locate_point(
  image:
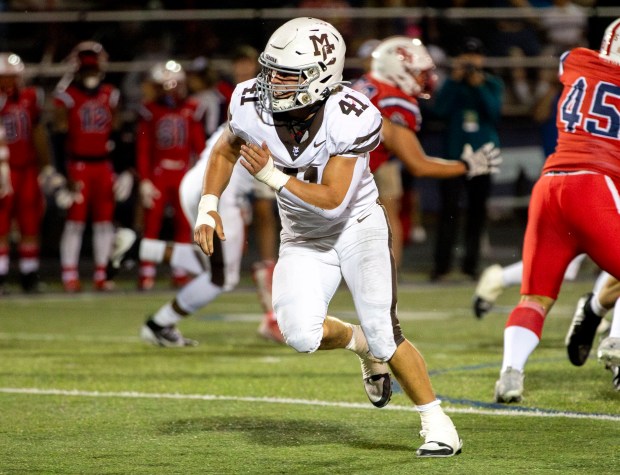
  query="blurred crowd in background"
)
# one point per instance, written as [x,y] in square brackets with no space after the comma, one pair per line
[522,47]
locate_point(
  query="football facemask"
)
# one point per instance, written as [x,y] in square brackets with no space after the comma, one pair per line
[301,64]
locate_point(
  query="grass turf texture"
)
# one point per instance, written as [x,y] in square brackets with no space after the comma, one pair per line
[118,420]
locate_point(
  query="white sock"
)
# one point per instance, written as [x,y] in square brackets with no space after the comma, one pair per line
[573,267]
[519,343]
[358,342]
[186,257]
[597,308]
[152,250]
[429,406]
[197,293]
[600,281]
[512,274]
[434,415]
[103,238]
[28,265]
[614,331]
[71,244]
[4,264]
[166,316]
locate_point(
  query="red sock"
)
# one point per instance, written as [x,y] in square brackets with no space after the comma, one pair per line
[528,315]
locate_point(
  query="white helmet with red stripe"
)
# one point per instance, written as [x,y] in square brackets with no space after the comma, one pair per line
[610,46]
[405,63]
[88,61]
[11,73]
[11,65]
[169,79]
[88,55]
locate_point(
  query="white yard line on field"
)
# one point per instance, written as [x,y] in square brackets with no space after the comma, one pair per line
[302,402]
[67,337]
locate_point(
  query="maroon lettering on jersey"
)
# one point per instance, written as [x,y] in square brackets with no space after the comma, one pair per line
[168,137]
[19,116]
[90,119]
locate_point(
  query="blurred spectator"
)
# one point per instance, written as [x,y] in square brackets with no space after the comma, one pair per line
[85,117]
[170,136]
[212,93]
[470,103]
[565,26]
[517,37]
[544,111]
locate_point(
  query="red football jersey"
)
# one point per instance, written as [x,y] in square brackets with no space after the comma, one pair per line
[90,119]
[19,116]
[169,137]
[588,115]
[394,104]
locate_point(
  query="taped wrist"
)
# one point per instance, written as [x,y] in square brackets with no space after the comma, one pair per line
[207,203]
[271,176]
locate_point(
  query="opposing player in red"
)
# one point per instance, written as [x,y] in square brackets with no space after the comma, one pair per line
[21,201]
[401,72]
[85,116]
[575,204]
[170,137]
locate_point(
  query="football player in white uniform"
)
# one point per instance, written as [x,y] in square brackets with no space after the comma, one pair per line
[212,276]
[307,136]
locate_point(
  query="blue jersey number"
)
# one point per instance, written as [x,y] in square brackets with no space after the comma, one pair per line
[603,117]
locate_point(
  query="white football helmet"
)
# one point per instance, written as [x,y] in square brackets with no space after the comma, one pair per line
[399,61]
[88,55]
[169,75]
[11,73]
[610,46]
[11,65]
[88,61]
[308,48]
[170,80]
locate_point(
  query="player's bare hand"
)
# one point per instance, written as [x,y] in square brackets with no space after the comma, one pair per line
[255,157]
[203,233]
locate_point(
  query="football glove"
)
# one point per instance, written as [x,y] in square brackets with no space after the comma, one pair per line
[148,193]
[484,161]
[122,186]
[65,197]
[6,188]
[50,180]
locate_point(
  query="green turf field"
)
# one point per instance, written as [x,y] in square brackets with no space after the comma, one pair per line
[81,394]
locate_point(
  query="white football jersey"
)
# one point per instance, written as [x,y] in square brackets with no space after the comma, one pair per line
[348,124]
[235,195]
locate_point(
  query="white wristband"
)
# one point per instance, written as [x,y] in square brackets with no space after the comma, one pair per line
[271,176]
[207,203]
